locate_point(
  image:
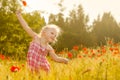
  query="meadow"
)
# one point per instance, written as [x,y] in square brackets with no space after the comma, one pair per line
[101,63]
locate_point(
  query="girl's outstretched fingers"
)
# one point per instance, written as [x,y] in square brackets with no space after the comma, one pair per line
[66,61]
[18,12]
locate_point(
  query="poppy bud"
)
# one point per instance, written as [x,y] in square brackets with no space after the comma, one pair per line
[24,3]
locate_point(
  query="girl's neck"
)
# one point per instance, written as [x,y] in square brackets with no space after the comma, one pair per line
[43,41]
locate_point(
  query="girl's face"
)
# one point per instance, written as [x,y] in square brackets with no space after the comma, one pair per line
[50,35]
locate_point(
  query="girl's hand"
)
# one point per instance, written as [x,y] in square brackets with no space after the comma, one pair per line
[66,60]
[18,12]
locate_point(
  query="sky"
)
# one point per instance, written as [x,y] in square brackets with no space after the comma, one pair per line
[92,8]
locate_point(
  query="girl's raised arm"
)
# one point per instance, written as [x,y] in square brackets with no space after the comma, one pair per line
[25,25]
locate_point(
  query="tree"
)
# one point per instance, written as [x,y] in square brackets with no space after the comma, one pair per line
[14,40]
[74,29]
[106,27]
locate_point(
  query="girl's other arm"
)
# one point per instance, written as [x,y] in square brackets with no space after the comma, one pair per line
[56,58]
[25,25]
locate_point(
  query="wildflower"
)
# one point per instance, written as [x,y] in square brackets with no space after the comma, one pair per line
[24,3]
[79,56]
[98,50]
[70,55]
[116,44]
[92,50]
[111,49]
[85,52]
[62,52]
[84,49]
[98,55]
[23,65]
[75,48]
[110,42]
[114,53]
[2,57]
[14,69]
[103,51]
[93,54]
[116,49]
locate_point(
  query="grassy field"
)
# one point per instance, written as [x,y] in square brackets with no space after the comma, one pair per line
[102,63]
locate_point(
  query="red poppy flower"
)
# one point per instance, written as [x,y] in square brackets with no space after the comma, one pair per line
[70,55]
[75,47]
[14,69]
[84,49]
[24,3]
[2,57]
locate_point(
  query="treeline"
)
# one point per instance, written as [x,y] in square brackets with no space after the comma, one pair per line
[75,31]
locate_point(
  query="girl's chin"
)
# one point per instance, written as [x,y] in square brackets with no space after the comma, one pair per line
[51,41]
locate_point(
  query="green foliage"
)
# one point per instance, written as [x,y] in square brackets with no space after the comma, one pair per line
[34,20]
[74,30]
[14,41]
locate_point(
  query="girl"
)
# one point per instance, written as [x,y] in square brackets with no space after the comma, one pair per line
[39,47]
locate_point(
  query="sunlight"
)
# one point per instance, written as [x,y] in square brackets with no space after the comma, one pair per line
[93,8]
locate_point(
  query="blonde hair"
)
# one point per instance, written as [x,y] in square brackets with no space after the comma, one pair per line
[51,26]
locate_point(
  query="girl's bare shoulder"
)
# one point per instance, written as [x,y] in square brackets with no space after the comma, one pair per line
[49,48]
[36,38]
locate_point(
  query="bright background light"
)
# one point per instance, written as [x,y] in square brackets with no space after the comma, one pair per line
[93,8]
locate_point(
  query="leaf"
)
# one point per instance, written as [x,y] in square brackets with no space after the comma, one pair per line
[2,38]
